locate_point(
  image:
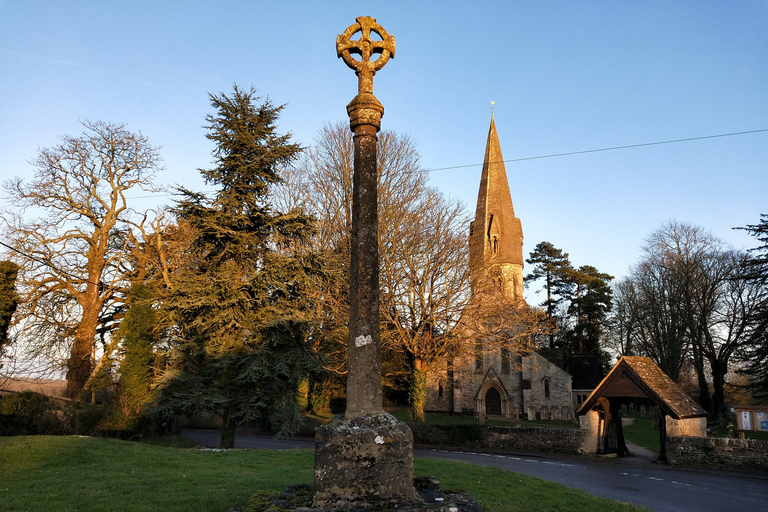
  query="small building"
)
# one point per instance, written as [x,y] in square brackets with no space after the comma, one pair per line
[637,380]
[485,377]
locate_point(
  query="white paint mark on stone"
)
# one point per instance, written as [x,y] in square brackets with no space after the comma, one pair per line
[379,439]
[362,341]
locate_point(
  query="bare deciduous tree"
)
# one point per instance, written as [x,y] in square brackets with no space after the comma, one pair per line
[425,286]
[689,304]
[422,247]
[72,253]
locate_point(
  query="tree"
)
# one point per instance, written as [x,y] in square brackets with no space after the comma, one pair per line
[660,328]
[71,281]
[693,306]
[237,311]
[753,354]
[9,299]
[425,285]
[622,325]
[590,303]
[422,251]
[552,265]
[136,336]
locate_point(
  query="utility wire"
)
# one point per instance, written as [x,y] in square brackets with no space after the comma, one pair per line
[613,148]
[29,256]
[539,157]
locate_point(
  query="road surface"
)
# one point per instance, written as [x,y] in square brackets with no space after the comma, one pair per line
[637,480]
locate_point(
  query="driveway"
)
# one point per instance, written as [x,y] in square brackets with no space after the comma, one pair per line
[638,480]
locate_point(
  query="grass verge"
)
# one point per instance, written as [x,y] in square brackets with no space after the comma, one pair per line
[94,474]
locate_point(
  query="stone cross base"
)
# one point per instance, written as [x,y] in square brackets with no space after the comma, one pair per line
[363,460]
[298,498]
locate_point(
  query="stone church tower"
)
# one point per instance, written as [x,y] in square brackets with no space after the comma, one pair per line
[496,235]
[485,378]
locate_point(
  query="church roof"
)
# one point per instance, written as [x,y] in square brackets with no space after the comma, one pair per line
[639,377]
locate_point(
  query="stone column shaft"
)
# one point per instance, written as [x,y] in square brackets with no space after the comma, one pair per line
[364,378]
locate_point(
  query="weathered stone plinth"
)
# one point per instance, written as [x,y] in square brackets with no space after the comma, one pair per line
[431,498]
[364,460]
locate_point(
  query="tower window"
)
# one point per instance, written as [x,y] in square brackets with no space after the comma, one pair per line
[495,245]
[546,388]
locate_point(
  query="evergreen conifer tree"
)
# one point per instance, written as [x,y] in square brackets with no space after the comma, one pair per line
[237,308]
[137,340]
[552,265]
[754,353]
[590,304]
[9,299]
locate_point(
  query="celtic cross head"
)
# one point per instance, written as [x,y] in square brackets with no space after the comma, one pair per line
[366,47]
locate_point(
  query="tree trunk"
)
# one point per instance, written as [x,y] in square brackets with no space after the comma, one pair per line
[228,428]
[719,370]
[79,365]
[418,390]
[698,362]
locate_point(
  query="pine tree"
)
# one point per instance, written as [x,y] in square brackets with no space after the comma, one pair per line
[590,304]
[553,265]
[237,308]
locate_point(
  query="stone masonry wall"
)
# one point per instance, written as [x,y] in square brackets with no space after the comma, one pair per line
[693,427]
[712,451]
[523,439]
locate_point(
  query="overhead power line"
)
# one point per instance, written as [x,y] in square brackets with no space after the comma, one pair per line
[29,256]
[552,155]
[613,148]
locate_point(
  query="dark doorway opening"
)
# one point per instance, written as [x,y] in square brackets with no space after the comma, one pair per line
[493,402]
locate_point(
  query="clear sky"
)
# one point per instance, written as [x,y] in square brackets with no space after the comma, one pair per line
[565,76]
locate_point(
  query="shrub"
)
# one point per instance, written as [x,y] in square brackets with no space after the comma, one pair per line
[29,413]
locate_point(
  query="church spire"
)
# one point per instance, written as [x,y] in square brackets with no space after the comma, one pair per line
[496,235]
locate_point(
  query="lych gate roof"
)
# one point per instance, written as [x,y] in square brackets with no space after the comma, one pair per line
[639,377]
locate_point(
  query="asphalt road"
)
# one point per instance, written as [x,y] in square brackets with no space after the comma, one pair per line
[637,480]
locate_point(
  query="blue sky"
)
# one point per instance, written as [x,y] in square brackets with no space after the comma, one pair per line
[565,77]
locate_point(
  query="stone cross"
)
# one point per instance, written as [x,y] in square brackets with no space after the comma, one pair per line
[366,47]
[365,112]
[364,460]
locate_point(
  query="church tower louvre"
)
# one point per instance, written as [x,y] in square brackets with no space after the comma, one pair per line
[496,235]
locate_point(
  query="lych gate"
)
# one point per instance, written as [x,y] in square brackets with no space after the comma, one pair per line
[637,380]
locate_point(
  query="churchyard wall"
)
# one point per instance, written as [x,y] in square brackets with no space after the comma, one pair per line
[727,452]
[516,439]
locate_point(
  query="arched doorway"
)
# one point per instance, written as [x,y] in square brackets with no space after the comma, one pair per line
[493,402]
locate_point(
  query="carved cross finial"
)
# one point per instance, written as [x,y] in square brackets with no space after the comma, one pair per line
[365,47]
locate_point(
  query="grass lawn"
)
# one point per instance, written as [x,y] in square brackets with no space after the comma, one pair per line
[642,433]
[51,474]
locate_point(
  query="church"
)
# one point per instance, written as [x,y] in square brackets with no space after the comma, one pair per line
[484,376]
